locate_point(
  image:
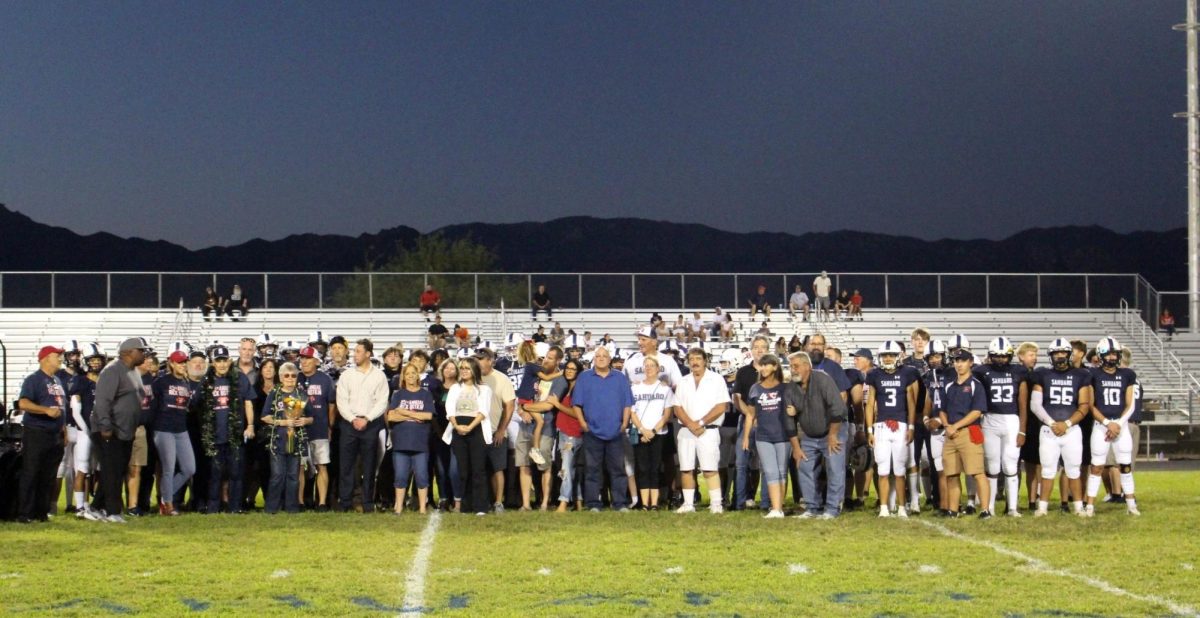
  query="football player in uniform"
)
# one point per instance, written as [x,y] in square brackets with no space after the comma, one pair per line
[67,374]
[267,347]
[1027,354]
[1061,399]
[1004,423]
[890,415]
[83,399]
[1114,390]
[938,376]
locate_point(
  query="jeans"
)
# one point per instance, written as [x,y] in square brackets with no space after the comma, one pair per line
[569,447]
[284,488]
[354,446]
[741,487]
[114,463]
[174,448]
[229,462]
[42,451]
[603,454]
[817,449]
[410,462]
[472,466]
[446,467]
[773,458]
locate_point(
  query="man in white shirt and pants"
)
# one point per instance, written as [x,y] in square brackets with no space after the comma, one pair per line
[703,399]
[362,398]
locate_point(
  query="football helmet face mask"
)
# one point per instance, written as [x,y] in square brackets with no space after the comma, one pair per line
[1060,354]
[1000,352]
[888,355]
[935,354]
[1109,351]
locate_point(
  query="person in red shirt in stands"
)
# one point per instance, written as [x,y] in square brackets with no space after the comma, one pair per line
[1166,322]
[431,301]
[855,306]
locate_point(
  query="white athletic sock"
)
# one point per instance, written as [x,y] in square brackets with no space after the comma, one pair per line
[714,497]
[689,497]
[1127,484]
[1043,505]
[80,501]
[1093,485]
[993,484]
[1012,489]
[914,487]
[1077,505]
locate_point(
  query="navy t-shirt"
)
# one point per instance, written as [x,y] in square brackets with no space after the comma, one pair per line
[223,406]
[321,392]
[1060,391]
[1109,390]
[85,388]
[1003,385]
[173,397]
[959,399]
[890,391]
[411,435]
[769,412]
[44,390]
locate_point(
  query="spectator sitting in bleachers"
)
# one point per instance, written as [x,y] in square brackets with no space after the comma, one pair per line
[856,301]
[212,304]
[431,302]
[842,305]
[237,302]
[1166,323]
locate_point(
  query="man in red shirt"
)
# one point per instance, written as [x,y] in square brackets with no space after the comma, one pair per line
[431,301]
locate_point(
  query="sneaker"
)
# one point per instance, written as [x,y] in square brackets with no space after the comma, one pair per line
[89,514]
[883,511]
[1013,513]
[774,515]
[1088,511]
[1083,512]
[806,515]
[1039,512]
[480,514]
[902,512]
[716,509]
[914,508]
[135,512]
[498,507]
[537,457]
[687,508]
[1132,509]
[594,510]
[970,510]
[985,515]
[1064,507]
[115,519]
[623,509]
[827,516]
[749,504]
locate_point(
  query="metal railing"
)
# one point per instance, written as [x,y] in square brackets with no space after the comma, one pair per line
[1152,345]
[478,290]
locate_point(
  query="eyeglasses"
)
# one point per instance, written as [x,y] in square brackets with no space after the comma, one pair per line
[288,375]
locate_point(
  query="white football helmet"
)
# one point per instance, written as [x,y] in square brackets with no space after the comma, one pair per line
[90,351]
[316,337]
[541,348]
[1001,346]
[266,339]
[1058,346]
[514,340]
[729,362]
[1106,346]
[890,348]
[958,342]
[70,346]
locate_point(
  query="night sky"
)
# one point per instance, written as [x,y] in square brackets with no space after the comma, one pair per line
[215,122]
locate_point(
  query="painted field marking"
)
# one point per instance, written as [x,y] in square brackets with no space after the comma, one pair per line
[929,569]
[798,569]
[1042,566]
[414,582]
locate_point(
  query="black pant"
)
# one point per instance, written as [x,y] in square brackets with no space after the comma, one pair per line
[114,464]
[354,446]
[472,466]
[646,459]
[41,454]
[227,464]
[602,454]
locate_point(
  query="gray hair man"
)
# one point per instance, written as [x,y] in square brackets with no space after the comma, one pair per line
[816,402]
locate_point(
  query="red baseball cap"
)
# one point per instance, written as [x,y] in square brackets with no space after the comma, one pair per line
[178,356]
[47,351]
[309,351]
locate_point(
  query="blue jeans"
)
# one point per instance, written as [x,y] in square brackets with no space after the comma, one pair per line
[174,448]
[817,451]
[449,482]
[773,458]
[601,455]
[741,462]
[410,462]
[284,488]
[228,462]
[569,447]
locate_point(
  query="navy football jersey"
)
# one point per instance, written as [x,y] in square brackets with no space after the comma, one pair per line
[86,389]
[1002,385]
[934,380]
[1137,402]
[1109,390]
[890,391]
[1060,391]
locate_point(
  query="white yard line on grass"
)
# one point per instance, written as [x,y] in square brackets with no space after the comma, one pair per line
[414,582]
[1044,567]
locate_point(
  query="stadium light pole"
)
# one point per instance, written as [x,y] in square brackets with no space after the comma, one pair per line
[1193,145]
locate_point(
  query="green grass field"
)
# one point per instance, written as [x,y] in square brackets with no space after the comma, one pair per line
[586,564]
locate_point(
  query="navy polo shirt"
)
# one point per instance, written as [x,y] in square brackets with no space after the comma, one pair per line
[958,400]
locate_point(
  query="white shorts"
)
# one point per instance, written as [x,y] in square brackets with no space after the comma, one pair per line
[1121,448]
[891,449]
[1068,446]
[318,451]
[83,452]
[705,449]
[937,442]
[1000,450]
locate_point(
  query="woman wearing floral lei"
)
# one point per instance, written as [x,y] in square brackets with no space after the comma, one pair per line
[287,411]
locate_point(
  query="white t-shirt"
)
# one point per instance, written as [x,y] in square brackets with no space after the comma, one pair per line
[697,324]
[822,285]
[668,369]
[799,299]
[696,400]
[650,401]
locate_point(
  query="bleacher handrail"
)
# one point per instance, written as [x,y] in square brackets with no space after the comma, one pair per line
[1151,343]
